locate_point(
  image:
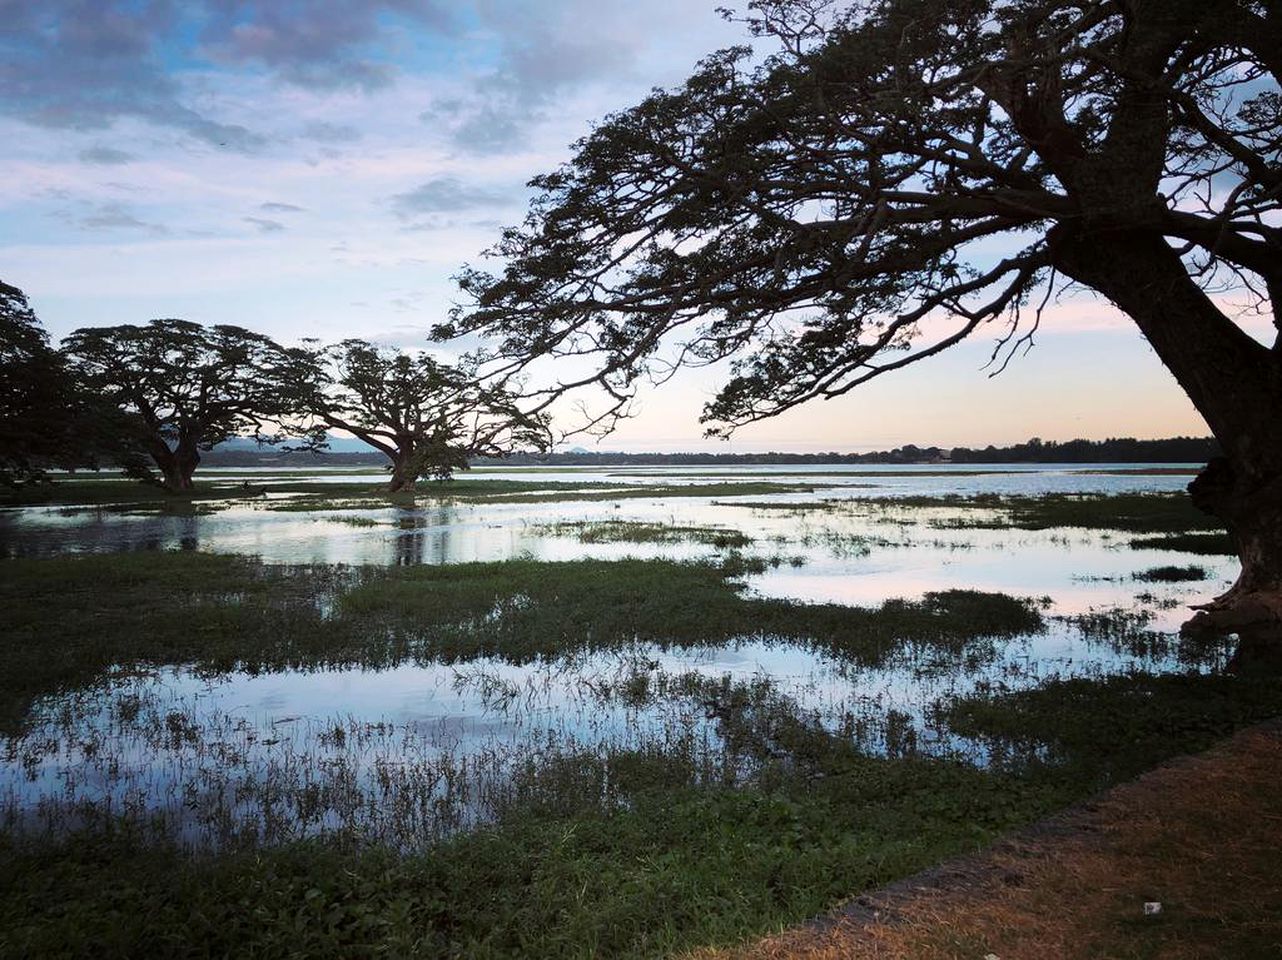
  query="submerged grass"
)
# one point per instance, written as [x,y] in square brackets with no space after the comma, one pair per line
[634,856]
[674,867]
[637,531]
[305,496]
[1164,513]
[1207,544]
[1172,574]
[66,620]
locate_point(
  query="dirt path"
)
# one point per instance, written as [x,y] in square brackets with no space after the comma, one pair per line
[1200,835]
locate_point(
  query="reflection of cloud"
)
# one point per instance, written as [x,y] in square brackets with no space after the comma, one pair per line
[106,156]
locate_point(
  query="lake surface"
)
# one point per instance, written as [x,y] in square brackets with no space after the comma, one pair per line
[416,751]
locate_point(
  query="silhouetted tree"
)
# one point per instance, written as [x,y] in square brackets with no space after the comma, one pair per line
[47,421]
[804,214]
[428,417]
[185,387]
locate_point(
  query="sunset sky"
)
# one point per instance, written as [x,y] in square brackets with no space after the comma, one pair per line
[322,168]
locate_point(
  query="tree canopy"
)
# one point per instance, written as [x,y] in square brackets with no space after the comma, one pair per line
[186,387]
[899,174]
[429,417]
[47,420]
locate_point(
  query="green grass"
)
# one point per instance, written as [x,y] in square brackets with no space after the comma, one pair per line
[1172,574]
[321,495]
[1207,544]
[632,854]
[1102,731]
[65,620]
[637,531]
[676,867]
[663,865]
[1152,513]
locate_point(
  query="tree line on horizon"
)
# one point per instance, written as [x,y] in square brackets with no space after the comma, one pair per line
[1197,450]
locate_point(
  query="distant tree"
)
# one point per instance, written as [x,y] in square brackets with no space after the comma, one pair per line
[46,420]
[805,214]
[428,417]
[184,387]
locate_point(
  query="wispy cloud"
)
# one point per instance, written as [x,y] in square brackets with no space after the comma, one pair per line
[106,156]
[444,195]
[116,216]
[264,225]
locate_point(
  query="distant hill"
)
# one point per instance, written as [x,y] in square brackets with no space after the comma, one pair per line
[1116,450]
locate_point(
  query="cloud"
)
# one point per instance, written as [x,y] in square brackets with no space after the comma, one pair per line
[106,156]
[264,225]
[324,132]
[322,44]
[279,208]
[116,216]
[443,195]
[83,64]
[544,51]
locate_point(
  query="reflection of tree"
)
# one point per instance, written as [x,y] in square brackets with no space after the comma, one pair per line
[423,536]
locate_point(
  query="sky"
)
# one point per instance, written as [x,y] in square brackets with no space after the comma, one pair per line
[321,168]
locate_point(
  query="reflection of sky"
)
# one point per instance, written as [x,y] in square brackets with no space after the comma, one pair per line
[1067,565]
[277,720]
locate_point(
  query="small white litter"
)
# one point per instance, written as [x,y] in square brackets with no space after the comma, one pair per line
[1152,908]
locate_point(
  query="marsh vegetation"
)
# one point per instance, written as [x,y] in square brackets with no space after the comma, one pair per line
[527,715]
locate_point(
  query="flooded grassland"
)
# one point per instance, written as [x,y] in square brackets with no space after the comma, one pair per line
[571,713]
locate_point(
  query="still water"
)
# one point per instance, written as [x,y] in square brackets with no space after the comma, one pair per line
[411,753]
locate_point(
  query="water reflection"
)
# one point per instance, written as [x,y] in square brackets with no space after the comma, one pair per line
[429,748]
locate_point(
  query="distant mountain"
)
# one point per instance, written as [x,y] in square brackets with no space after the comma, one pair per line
[336,445]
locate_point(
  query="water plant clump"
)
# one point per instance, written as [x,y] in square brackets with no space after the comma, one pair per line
[1208,544]
[636,531]
[1172,574]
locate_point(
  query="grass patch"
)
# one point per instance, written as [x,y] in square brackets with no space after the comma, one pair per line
[1164,513]
[1172,574]
[1138,512]
[673,868]
[1207,544]
[1102,731]
[323,495]
[636,531]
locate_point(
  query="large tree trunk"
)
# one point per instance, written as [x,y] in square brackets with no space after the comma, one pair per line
[177,466]
[404,474]
[1234,382]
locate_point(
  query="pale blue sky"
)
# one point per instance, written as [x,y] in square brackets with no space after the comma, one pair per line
[321,168]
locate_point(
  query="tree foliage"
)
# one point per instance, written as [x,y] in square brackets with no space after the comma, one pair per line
[902,173]
[184,387]
[429,417]
[46,420]
[806,214]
